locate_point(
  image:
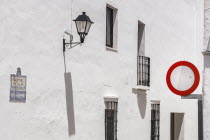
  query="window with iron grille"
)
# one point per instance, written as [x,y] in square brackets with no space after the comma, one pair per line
[155,121]
[143,71]
[111,120]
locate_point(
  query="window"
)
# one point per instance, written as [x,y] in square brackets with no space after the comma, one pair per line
[177,126]
[143,62]
[111,120]
[143,71]
[155,121]
[111,27]
[141,39]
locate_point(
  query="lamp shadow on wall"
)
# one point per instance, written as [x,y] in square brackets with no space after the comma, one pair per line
[141,101]
[69,103]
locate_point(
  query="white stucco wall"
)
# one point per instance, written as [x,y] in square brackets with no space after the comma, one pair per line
[206,84]
[31,38]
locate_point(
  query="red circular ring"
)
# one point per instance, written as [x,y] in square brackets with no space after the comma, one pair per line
[196,81]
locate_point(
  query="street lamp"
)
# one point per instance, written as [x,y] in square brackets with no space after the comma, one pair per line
[83,24]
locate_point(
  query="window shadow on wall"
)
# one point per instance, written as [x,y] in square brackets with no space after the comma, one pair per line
[142,101]
[69,103]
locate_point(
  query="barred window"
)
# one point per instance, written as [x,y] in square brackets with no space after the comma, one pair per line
[155,122]
[143,71]
[111,120]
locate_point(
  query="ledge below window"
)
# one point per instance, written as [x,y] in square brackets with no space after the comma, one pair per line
[111,49]
[207,52]
[140,87]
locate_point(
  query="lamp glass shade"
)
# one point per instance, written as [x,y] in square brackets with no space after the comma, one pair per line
[83,24]
[87,27]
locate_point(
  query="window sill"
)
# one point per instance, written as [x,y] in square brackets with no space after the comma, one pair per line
[206,52]
[142,88]
[113,98]
[111,49]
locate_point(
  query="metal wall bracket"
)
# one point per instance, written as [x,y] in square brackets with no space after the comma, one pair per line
[70,44]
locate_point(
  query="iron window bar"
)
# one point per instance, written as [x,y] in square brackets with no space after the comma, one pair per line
[111,120]
[143,71]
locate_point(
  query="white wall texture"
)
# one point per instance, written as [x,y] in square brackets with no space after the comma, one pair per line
[206,85]
[31,34]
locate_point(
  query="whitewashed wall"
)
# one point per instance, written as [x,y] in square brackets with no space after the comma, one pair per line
[31,38]
[206,84]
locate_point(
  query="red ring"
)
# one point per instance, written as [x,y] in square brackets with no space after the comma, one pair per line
[196,81]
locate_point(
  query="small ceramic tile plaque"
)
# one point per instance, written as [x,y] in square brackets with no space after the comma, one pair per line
[17,87]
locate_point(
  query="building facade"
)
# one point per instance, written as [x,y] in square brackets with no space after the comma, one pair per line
[114,86]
